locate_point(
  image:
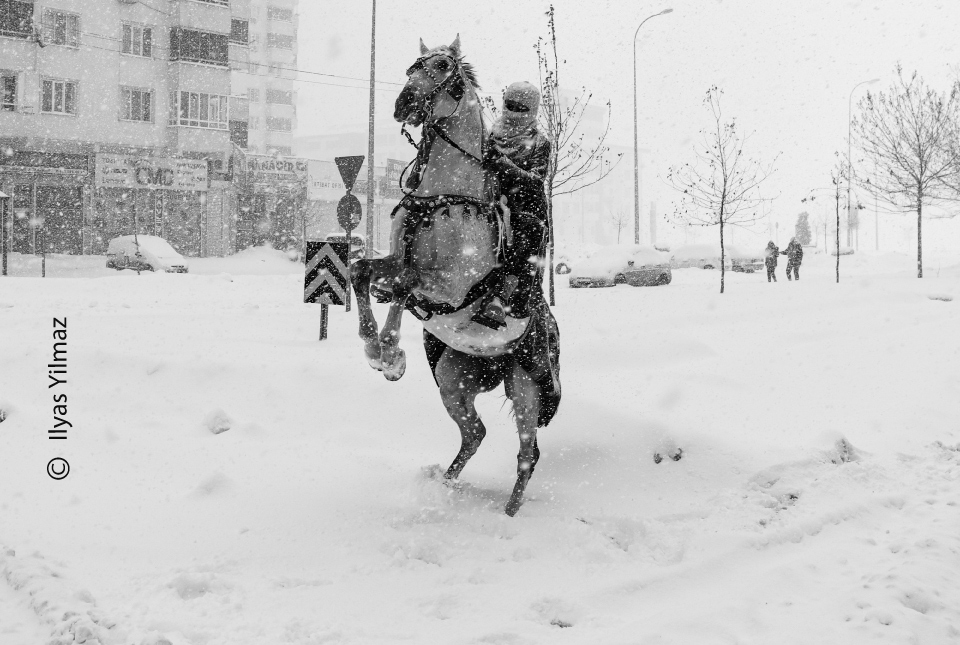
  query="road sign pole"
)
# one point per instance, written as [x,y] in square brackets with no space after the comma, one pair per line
[349,249]
[4,198]
[324,320]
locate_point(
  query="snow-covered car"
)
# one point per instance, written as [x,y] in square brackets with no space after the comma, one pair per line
[745,261]
[144,253]
[357,246]
[565,258]
[697,256]
[632,264]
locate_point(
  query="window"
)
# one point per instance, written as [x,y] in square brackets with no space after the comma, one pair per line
[280,97]
[136,104]
[239,32]
[238,133]
[199,110]
[279,15]
[278,124]
[254,95]
[61,28]
[58,97]
[16,18]
[279,41]
[8,93]
[137,40]
[198,47]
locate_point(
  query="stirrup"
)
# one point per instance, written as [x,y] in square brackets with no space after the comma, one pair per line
[491,314]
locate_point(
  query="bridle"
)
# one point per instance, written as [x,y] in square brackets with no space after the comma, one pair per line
[453,85]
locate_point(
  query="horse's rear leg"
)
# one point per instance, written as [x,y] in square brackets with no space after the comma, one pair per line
[525,394]
[459,389]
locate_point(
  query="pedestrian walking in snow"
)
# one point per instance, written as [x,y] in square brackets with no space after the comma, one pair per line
[771,261]
[794,255]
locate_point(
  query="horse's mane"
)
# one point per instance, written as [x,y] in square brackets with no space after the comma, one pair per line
[470,72]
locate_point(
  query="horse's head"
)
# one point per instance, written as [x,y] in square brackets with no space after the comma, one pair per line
[437,72]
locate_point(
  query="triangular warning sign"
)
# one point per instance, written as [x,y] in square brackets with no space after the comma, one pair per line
[349,168]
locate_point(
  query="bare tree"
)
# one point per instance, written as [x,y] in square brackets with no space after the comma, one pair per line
[721,187]
[910,132]
[575,162]
[838,176]
[620,219]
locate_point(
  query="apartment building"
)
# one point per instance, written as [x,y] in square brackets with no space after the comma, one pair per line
[122,115]
[271,183]
[264,50]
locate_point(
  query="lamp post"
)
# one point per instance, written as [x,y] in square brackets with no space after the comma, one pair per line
[849,150]
[636,147]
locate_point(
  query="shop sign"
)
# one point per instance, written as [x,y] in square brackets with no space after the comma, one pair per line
[264,169]
[158,173]
[325,184]
[390,185]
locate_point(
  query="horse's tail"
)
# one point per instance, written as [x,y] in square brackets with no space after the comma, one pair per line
[549,383]
[539,355]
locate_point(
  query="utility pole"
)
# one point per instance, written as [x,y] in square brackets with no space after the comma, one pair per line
[373,71]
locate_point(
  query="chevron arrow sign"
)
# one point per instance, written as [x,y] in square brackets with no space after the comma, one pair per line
[326,277]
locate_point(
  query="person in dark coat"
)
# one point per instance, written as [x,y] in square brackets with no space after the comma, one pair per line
[771,261]
[794,255]
[520,155]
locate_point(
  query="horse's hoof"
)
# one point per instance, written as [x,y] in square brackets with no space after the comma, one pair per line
[372,353]
[393,370]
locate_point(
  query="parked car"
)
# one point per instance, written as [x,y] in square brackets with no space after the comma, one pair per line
[631,264]
[565,258]
[144,253]
[844,250]
[697,256]
[745,262]
[357,245]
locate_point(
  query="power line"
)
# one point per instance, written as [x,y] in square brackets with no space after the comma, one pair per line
[241,62]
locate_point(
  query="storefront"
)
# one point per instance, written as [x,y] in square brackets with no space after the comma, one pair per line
[49,196]
[271,202]
[161,196]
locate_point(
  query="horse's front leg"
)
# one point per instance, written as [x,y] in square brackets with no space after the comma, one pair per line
[360,274]
[525,394]
[393,360]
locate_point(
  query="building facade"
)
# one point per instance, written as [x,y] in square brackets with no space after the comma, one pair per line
[123,115]
[264,53]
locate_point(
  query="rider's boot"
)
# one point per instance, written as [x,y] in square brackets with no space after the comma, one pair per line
[493,310]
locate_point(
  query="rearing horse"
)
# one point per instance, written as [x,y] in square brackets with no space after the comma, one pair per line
[446,245]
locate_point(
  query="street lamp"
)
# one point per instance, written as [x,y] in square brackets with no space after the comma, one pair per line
[636,148]
[849,158]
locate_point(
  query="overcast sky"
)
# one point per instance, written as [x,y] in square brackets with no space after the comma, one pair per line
[786,68]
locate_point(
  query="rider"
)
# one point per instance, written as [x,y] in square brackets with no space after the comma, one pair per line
[520,155]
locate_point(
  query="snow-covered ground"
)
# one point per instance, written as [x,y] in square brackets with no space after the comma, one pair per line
[815,501]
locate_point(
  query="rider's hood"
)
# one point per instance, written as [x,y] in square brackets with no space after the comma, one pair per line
[525,94]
